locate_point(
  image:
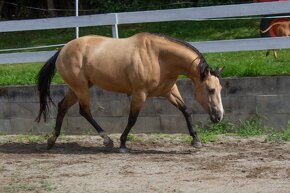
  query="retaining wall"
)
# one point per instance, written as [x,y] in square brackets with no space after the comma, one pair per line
[242,98]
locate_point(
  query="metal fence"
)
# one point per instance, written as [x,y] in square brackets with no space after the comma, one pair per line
[115,19]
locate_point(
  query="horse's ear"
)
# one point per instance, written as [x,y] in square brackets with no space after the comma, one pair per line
[220,69]
[216,72]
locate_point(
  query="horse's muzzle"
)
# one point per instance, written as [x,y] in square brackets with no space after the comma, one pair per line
[215,116]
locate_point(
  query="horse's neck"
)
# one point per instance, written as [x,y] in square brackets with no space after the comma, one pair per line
[180,60]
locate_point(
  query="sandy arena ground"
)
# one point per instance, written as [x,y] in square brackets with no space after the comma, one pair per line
[82,164]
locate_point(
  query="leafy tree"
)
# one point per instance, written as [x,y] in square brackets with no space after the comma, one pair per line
[25,9]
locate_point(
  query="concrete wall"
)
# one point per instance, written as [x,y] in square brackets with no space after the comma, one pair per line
[242,98]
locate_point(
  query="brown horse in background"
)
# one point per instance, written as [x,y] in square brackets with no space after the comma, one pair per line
[143,66]
[279,29]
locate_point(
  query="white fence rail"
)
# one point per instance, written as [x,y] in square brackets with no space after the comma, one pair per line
[114,19]
[206,46]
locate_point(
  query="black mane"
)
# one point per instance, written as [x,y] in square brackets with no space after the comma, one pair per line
[203,65]
[183,43]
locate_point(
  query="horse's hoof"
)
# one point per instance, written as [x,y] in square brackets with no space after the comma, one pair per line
[50,143]
[123,150]
[196,144]
[108,143]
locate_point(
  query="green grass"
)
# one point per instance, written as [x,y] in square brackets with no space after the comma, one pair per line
[210,132]
[197,30]
[44,186]
[131,137]
[185,30]
[21,74]
[30,138]
[9,40]
[18,187]
[2,168]
[207,132]
[253,126]
[283,135]
[251,63]
[47,186]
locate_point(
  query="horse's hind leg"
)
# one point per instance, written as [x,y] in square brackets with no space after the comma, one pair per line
[63,106]
[267,53]
[175,98]
[83,97]
[275,54]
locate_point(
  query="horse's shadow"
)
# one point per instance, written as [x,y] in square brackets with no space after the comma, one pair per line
[74,148]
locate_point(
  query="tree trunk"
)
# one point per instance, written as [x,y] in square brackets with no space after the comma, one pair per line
[1,7]
[51,8]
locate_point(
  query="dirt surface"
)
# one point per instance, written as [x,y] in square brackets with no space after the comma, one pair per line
[163,164]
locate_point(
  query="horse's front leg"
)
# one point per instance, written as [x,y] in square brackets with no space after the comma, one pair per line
[195,140]
[175,98]
[137,102]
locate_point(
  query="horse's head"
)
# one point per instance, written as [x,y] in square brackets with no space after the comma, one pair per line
[208,92]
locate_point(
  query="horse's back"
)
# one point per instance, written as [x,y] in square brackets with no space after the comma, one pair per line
[109,63]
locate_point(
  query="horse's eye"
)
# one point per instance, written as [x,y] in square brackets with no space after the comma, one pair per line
[211,91]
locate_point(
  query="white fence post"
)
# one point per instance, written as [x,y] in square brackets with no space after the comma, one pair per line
[115,31]
[77,14]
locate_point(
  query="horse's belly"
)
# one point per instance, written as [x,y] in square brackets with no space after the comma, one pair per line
[112,84]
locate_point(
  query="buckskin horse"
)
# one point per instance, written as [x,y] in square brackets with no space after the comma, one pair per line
[142,66]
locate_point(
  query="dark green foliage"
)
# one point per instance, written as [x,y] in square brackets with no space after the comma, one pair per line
[20,9]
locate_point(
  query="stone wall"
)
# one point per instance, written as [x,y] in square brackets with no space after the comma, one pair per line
[242,98]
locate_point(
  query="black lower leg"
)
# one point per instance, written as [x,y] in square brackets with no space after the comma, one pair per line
[87,115]
[131,121]
[191,129]
[90,119]
[59,119]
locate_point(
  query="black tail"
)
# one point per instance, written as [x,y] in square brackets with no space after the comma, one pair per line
[44,79]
